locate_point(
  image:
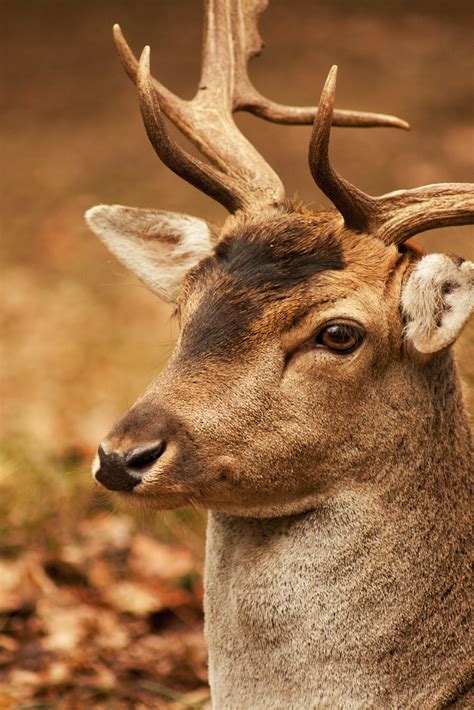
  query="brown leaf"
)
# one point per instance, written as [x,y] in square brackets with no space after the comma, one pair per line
[20,678]
[150,558]
[106,531]
[57,673]
[134,598]
[65,626]
[111,631]
[8,643]
[16,590]
[8,700]
[99,574]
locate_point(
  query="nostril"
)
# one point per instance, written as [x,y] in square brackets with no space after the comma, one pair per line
[102,453]
[144,456]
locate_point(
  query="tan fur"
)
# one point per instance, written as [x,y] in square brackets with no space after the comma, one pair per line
[337,564]
[337,484]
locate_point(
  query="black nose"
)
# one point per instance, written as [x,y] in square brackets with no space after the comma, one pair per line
[122,472]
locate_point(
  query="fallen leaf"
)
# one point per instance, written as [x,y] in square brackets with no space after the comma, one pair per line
[8,700]
[106,531]
[150,558]
[134,598]
[64,627]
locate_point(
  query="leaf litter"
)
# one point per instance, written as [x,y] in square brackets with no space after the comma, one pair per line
[111,618]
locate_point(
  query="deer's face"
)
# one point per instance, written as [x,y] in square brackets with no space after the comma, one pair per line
[289,354]
[292,370]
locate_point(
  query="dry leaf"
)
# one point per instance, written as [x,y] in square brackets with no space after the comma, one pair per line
[65,627]
[106,531]
[8,700]
[134,598]
[150,558]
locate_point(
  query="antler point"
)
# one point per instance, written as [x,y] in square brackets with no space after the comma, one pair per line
[330,85]
[117,33]
[145,56]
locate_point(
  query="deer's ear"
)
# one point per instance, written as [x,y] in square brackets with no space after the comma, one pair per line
[159,247]
[437,300]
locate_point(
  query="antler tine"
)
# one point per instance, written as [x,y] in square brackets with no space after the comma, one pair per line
[231,38]
[404,213]
[202,176]
[305,115]
[181,112]
[252,101]
[130,63]
[396,216]
[207,120]
[356,207]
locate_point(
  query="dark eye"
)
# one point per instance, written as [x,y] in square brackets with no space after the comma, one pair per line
[340,337]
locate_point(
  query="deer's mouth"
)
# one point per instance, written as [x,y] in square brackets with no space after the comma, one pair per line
[159,476]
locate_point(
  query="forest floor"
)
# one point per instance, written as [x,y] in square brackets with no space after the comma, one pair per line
[105,617]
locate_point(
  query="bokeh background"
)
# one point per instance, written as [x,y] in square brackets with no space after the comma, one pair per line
[100,606]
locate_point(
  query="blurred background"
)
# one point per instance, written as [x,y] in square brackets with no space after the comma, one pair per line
[100,606]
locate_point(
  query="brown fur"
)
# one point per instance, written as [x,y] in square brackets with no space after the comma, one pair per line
[337,551]
[337,484]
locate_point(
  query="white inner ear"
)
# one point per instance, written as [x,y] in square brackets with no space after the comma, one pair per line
[437,301]
[159,247]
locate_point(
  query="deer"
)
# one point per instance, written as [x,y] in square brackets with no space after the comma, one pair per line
[312,404]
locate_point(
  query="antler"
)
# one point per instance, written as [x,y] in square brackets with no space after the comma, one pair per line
[396,216]
[239,177]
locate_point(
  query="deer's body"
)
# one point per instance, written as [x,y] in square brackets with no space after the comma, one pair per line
[311,405]
[361,602]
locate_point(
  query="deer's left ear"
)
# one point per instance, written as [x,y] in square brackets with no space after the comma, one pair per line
[159,247]
[437,300]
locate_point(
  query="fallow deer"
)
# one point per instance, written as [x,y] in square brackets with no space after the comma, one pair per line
[312,405]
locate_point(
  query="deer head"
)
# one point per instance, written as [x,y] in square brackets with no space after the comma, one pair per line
[305,337]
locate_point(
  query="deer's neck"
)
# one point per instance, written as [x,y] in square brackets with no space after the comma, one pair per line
[360,602]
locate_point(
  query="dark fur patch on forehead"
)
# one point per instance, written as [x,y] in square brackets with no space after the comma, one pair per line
[278,255]
[255,265]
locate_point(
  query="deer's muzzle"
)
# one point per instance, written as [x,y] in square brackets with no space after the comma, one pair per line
[123,471]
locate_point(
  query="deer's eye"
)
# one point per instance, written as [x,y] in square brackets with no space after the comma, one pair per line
[340,337]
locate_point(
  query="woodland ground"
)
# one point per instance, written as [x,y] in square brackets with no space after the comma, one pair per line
[101,607]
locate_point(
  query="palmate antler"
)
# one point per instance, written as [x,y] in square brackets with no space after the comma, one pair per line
[396,216]
[238,176]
